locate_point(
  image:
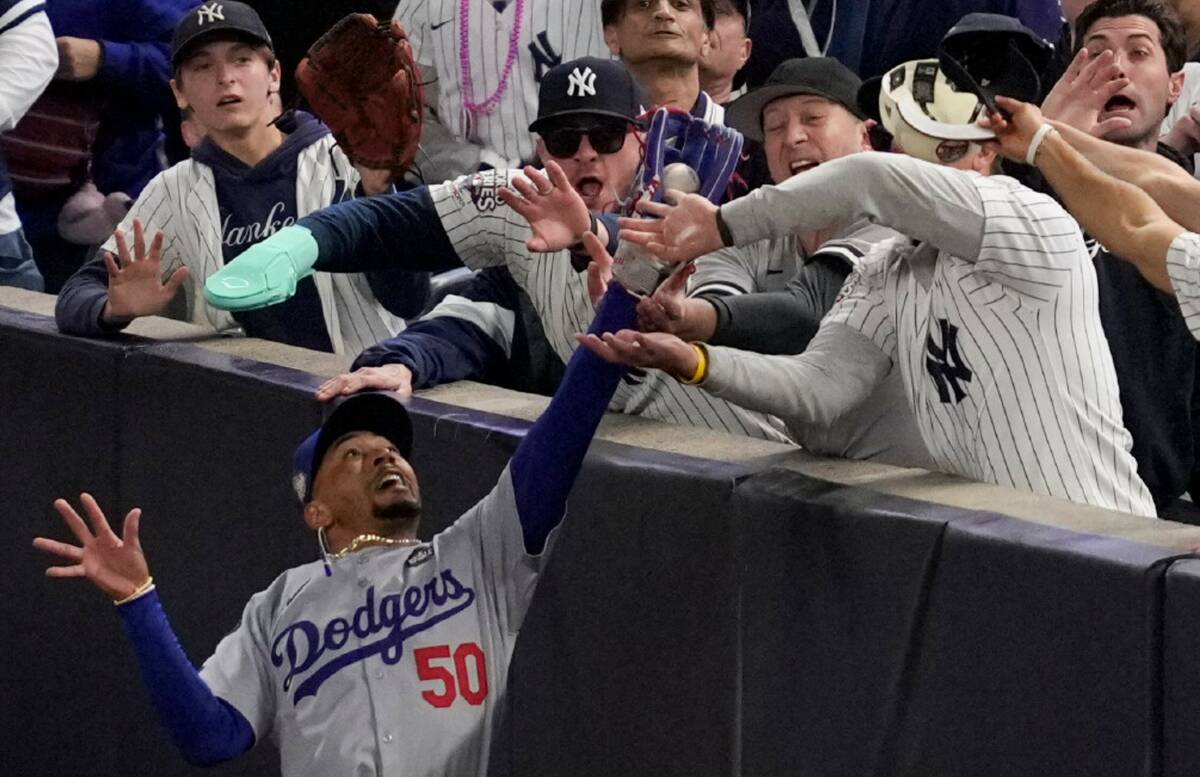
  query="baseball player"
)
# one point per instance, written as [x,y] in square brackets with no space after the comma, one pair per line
[390,655]
[467,220]
[991,315]
[485,62]
[247,179]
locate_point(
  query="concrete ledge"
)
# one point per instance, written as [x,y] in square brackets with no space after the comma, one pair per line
[914,484]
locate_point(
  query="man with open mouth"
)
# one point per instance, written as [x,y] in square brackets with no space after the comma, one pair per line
[1126,75]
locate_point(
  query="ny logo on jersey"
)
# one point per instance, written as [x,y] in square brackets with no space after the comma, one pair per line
[544,56]
[945,364]
[213,12]
[581,84]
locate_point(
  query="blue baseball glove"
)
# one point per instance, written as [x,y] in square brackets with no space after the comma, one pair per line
[674,140]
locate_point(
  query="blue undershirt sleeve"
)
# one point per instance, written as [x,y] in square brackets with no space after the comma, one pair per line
[396,231]
[548,460]
[207,730]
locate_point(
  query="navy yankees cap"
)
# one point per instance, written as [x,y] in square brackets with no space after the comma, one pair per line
[217,16]
[379,412]
[991,54]
[820,76]
[588,85]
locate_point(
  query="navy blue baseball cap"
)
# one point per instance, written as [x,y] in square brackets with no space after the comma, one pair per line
[588,85]
[992,54]
[228,17]
[379,412]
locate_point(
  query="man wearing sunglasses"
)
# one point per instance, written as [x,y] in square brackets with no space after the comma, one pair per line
[588,129]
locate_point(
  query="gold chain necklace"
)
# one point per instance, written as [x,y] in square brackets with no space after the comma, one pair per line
[373,539]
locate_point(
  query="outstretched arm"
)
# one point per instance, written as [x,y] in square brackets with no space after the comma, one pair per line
[924,201]
[206,729]
[548,460]
[1118,214]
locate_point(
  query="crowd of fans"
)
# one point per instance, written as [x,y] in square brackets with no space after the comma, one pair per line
[185,138]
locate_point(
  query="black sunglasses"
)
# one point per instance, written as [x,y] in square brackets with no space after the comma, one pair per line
[604,138]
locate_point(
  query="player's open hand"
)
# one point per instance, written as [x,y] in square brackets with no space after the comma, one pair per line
[389,377]
[135,284]
[554,210]
[648,350]
[678,233]
[1081,95]
[114,564]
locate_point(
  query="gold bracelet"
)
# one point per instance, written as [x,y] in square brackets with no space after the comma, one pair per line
[701,365]
[142,590]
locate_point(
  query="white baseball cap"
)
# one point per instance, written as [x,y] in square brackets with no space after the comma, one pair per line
[930,117]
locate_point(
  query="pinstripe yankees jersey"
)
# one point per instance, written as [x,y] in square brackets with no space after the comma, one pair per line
[1183,266]
[485,232]
[549,33]
[993,319]
[181,202]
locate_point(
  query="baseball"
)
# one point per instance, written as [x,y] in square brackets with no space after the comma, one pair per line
[678,175]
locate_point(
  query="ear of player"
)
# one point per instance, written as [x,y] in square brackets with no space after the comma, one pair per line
[686,154]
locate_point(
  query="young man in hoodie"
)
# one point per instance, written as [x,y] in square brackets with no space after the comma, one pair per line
[252,175]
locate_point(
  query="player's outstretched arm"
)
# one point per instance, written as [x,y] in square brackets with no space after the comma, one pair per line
[1118,214]
[204,728]
[547,461]
[394,231]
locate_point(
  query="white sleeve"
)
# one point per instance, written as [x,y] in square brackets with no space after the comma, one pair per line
[414,16]
[28,60]
[492,529]
[157,209]
[924,201]
[480,226]
[1183,266]
[240,669]
[838,371]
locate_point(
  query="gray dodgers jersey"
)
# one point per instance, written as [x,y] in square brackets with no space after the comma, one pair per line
[396,664]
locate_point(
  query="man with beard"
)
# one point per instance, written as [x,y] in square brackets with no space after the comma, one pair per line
[1125,77]
[389,655]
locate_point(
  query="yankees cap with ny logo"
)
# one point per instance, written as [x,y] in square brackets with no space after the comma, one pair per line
[228,17]
[588,85]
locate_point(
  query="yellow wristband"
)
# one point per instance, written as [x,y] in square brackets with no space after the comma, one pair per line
[142,590]
[701,365]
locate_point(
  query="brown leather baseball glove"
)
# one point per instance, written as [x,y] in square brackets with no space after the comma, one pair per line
[361,79]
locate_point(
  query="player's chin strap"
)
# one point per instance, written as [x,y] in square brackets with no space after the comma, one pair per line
[324,551]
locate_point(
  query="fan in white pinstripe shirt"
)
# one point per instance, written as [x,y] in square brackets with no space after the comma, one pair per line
[485,61]
[992,317]
[245,182]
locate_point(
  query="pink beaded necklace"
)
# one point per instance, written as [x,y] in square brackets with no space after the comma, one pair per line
[464,59]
